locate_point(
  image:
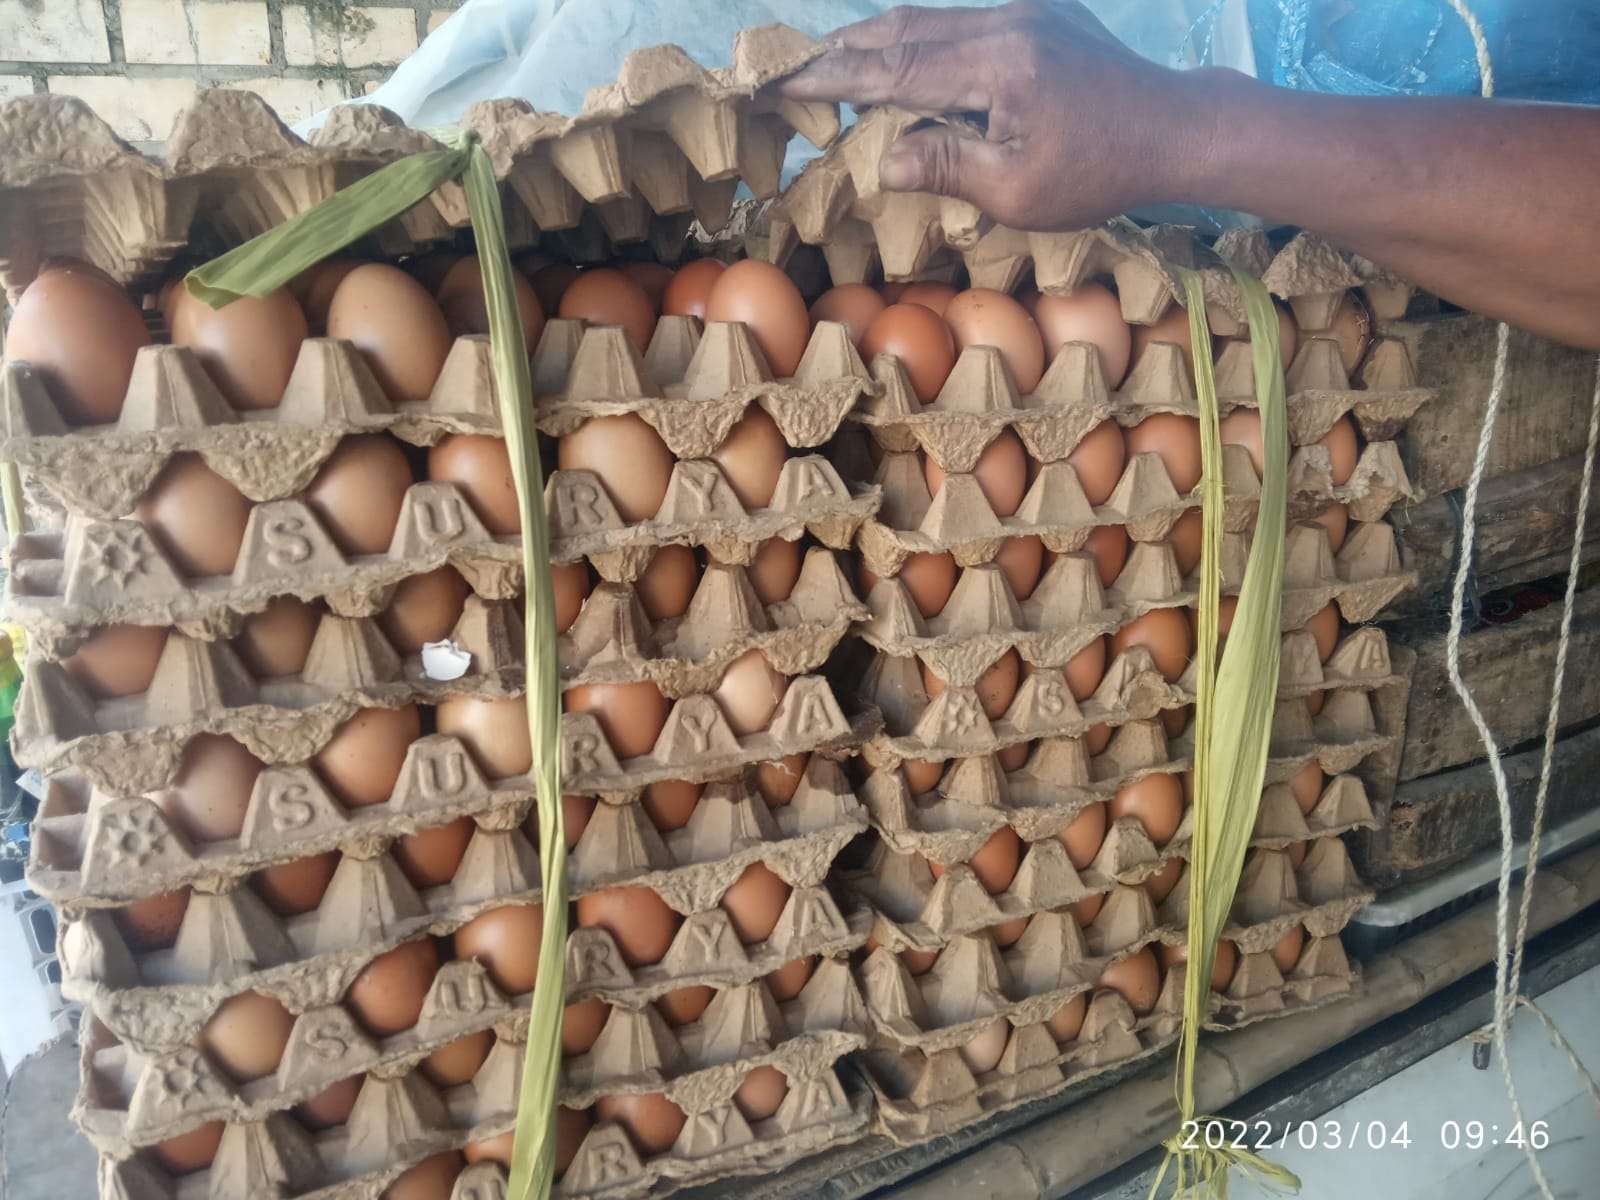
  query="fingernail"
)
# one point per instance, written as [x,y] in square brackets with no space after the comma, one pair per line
[897,171]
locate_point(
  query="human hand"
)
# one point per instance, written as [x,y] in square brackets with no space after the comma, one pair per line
[1079,127]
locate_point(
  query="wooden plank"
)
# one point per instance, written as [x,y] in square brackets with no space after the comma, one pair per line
[1524,531]
[1544,414]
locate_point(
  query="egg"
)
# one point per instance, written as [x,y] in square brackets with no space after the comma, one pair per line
[1288,334]
[920,339]
[762,1092]
[1176,439]
[1084,834]
[985,317]
[246,1036]
[667,585]
[1287,951]
[995,687]
[361,762]
[576,812]
[493,729]
[1160,885]
[550,283]
[431,1179]
[1336,520]
[1297,852]
[651,276]
[506,941]
[640,922]
[1001,472]
[921,776]
[853,305]
[117,660]
[424,608]
[1096,738]
[81,333]
[1306,784]
[480,466]
[751,458]
[749,693]
[928,577]
[466,309]
[1188,531]
[790,979]
[681,1006]
[398,328]
[211,791]
[1109,545]
[1223,963]
[191,1151]
[933,296]
[1162,631]
[314,288]
[605,296]
[1086,910]
[1343,448]
[651,1120]
[690,289]
[984,1052]
[296,886]
[152,923]
[569,586]
[248,347]
[332,1105]
[631,461]
[1098,459]
[1067,1021]
[767,301]
[572,1126]
[1020,560]
[276,641]
[430,270]
[429,857]
[1176,720]
[1086,669]
[1242,427]
[1090,313]
[1137,979]
[581,1024]
[631,715]
[1155,801]
[1172,328]
[669,803]
[196,516]
[775,569]
[387,995]
[1324,627]
[754,902]
[1013,757]
[996,861]
[358,491]
[1351,327]
[1314,703]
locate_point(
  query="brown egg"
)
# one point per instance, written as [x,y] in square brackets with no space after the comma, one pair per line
[569,585]
[581,1024]
[684,1005]
[750,692]
[1173,327]
[1176,439]
[928,577]
[1137,978]
[1336,520]
[430,270]
[995,864]
[922,776]
[396,325]
[985,317]
[424,608]
[765,299]
[431,1179]
[246,1035]
[1086,910]
[651,276]
[604,296]
[1155,801]
[1223,964]
[1098,460]
[572,1126]
[690,288]
[1314,703]
[631,715]
[1176,720]
[1008,932]
[1067,1021]
[1097,737]
[332,1105]
[361,762]
[631,461]
[81,333]
[248,347]
[153,922]
[1187,533]
[1086,669]
[506,941]
[358,492]
[1090,313]
[667,585]
[1020,560]
[576,812]
[670,803]
[920,339]
[853,305]
[1165,633]
[430,857]
[277,640]
[1242,427]
[550,283]
[481,467]
[296,886]
[752,457]
[1306,784]
[652,1121]
[1297,852]
[1001,472]
[984,1052]
[1160,884]
[208,797]
[1343,448]
[790,979]
[1288,334]
[996,686]
[1084,835]
[1351,327]
[1287,952]
[466,310]
[196,516]
[1324,627]
[494,730]
[762,1092]
[192,1151]
[754,902]
[1012,758]
[933,296]
[117,660]
[314,288]
[387,995]
[775,569]
[1109,545]
[638,919]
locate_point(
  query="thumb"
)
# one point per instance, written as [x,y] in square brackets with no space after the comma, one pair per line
[942,161]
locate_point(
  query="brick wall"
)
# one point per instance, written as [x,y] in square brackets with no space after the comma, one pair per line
[137,62]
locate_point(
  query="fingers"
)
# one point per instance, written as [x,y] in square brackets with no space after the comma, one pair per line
[910,23]
[925,76]
[941,161]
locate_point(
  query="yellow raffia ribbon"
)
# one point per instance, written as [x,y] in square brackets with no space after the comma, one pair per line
[1234,704]
[272,260]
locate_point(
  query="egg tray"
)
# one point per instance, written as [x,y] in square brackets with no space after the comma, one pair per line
[1322,975]
[202,687]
